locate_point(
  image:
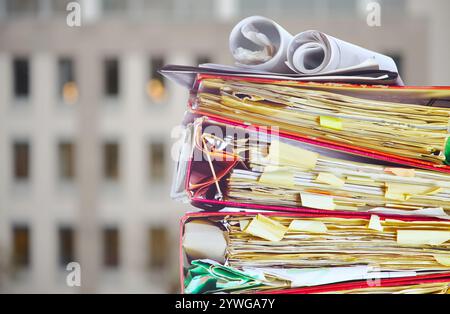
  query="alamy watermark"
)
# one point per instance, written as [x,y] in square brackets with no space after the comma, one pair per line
[373,10]
[73,278]
[73,18]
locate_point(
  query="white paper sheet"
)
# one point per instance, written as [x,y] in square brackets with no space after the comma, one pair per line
[301,277]
[313,52]
[260,44]
[430,212]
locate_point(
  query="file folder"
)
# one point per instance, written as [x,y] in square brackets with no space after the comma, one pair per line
[401,124]
[308,253]
[224,164]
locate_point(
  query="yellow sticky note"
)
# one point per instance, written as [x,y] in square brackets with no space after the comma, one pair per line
[280,178]
[317,201]
[266,228]
[401,172]
[402,192]
[422,237]
[329,178]
[442,259]
[375,223]
[289,155]
[330,122]
[308,226]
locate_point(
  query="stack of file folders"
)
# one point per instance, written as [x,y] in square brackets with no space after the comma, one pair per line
[312,186]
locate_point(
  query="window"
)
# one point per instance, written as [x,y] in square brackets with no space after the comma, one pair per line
[22,7]
[66,236]
[158,247]
[111,156]
[254,7]
[68,89]
[159,9]
[398,59]
[343,7]
[66,160]
[198,9]
[157,161]
[111,77]
[111,247]
[60,6]
[114,6]
[21,77]
[21,246]
[203,59]
[21,160]
[156,85]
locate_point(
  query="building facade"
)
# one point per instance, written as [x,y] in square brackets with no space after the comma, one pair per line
[87,124]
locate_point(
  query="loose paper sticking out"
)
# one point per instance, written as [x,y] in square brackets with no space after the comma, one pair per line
[330,122]
[243,224]
[282,153]
[401,172]
[317,201]
[194,244]
[329,178]
[437,212]
[308,226]
[356,179]
[375,223]
[266,228]
[281,178]
[422,237]
[402,192]
[442,259]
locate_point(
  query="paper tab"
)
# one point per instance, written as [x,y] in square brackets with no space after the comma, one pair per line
[279,178]
[266,228]
[401,172]
[289,155]
[308,226]
[431,212]
[442,259]
[330,122]
[402,192]
[422,237]
[356,179]
[317,201]
[375,223]
[243,224]
[329,178]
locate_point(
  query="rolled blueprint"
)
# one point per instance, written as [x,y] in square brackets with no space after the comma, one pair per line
[313,52]
[260,44]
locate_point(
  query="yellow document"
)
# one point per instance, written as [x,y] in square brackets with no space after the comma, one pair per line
[282,153]
[308,226]
[281,178]
[266,228]
[329,178]
[317,201]
[402,192]
[330,122]
[421,237]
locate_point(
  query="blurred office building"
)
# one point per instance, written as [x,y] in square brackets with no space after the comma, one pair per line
[86,123]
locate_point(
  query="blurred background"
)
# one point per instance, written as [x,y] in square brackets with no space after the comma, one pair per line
[86,123]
